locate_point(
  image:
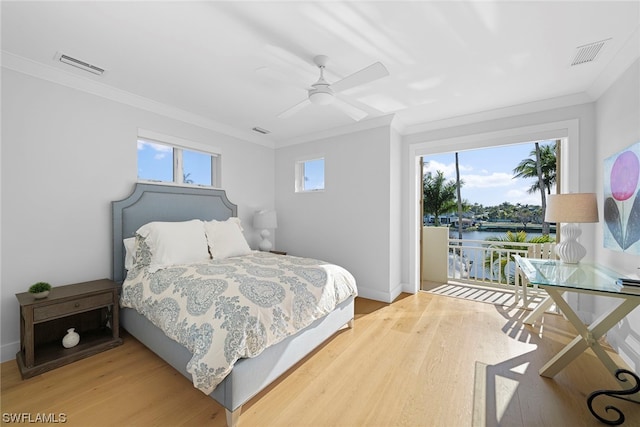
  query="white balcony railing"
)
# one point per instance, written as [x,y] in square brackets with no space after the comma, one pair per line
[489,263]
[486,263]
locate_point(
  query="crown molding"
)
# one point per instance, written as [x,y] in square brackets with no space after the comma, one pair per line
[622,60]
[89,85]
[386,120]
[398,125]
[501,113]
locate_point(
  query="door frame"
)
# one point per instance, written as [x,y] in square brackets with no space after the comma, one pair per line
[567,131]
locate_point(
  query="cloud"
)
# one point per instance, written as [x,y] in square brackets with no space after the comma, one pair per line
[488,188]
[493,180]
[471,180]
[520,195]
[449,170]
[161,150]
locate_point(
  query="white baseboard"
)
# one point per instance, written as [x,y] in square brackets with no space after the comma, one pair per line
[8,351]
[387,297]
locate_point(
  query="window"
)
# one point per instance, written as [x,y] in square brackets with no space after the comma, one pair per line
[166,162]
[310,175]
[155,161]
[197,168]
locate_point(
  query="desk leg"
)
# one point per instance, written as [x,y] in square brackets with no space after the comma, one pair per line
[588,337]
[544,305]
[618,394]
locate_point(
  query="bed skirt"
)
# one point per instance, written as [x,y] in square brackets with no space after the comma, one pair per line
[249,376]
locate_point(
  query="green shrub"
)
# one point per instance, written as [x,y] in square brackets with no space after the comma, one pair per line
[39,287]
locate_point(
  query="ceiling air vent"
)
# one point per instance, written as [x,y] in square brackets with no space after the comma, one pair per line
[260,130]
[66,59]
[588,52]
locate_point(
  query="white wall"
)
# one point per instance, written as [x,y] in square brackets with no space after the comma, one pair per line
[66,155]
[349,223]
[395,213]
[618,127]
[338,225]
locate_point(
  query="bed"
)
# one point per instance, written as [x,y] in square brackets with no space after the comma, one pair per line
[150,203]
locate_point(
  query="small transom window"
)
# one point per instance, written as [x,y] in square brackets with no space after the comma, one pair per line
[164,162]
[310,175]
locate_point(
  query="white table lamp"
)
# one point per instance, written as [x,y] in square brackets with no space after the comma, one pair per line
[265,220]
[570,209]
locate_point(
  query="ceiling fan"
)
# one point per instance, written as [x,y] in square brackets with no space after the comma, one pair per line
[325,93]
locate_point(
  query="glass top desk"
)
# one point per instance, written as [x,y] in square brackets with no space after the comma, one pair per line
[556,278]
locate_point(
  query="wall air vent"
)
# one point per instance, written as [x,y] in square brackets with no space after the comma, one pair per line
[260,130]
[66,59]
[588,52]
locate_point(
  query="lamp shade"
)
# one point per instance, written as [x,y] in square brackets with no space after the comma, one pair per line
[265,219]
[572,207]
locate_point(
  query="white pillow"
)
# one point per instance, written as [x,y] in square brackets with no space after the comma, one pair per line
[225,238]
[129,252]
[173,243]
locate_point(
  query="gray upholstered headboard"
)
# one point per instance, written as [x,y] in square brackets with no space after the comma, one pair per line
[156,202]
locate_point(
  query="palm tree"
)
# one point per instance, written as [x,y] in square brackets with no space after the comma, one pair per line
[528,168]
[545,224]
[439,196]
[543,168]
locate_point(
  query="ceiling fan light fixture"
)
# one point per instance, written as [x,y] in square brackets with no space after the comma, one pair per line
[321,95]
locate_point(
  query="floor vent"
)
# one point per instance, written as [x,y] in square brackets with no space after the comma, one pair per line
[66,59]
[588,52]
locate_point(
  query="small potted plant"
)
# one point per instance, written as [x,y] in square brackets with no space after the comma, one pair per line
[40,289]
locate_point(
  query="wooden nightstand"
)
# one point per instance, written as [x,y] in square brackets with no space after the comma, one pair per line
[90,307]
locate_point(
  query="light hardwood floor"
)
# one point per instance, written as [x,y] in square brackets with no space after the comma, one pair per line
[424,360]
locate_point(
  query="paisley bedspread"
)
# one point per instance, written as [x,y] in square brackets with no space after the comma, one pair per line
[224,310]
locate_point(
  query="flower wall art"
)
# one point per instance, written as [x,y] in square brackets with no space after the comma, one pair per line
[621,201]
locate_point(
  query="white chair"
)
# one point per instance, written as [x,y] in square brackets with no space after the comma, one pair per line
[538,251]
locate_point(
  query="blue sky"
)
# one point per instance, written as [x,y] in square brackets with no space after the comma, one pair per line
[488,173]
[155,162]
[314,174]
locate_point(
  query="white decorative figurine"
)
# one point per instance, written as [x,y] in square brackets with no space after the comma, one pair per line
[71,339]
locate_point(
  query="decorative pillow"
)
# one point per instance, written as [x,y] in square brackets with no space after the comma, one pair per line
[129,252]
[142,255]
[225,238]
[172,243]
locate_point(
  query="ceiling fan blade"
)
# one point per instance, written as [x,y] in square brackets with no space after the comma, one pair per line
[372,72]
[350,110]
[291,111]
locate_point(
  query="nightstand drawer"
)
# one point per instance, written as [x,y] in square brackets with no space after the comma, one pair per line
[73,306]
